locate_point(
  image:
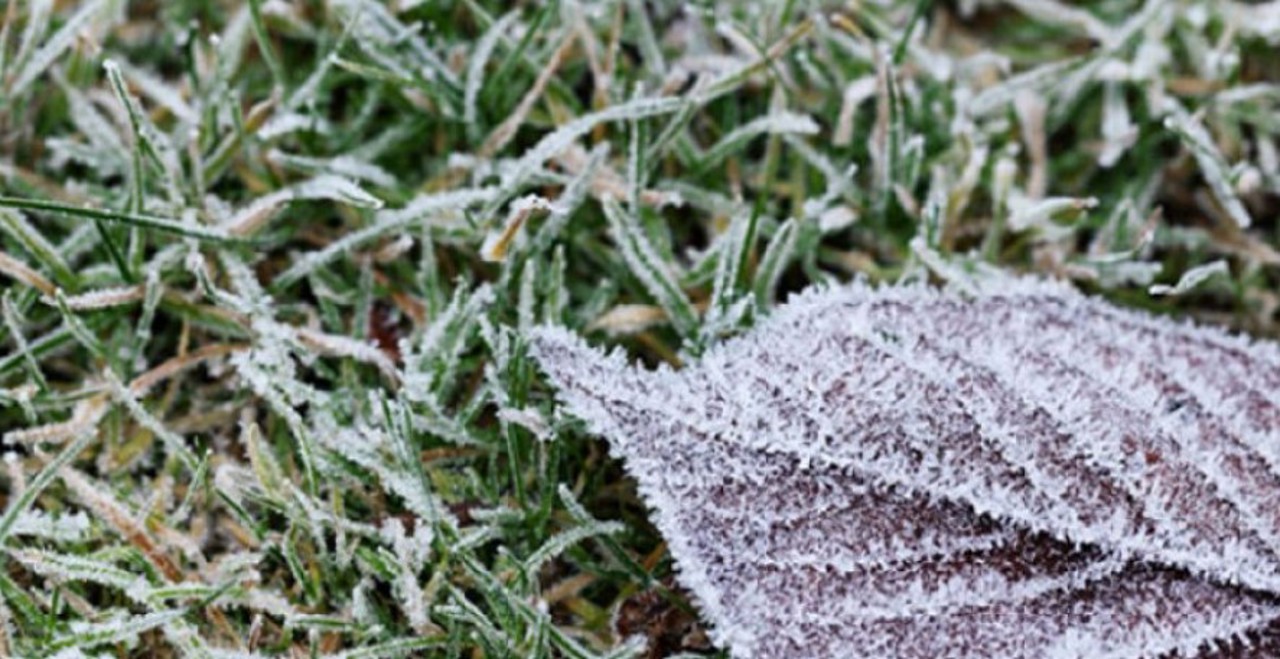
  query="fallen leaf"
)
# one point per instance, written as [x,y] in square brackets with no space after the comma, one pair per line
[1020,471]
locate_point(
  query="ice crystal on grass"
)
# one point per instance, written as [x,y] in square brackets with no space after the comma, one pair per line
[900,471]
[328,186]
[269,274]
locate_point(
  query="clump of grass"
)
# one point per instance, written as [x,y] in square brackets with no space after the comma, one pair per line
[269,269]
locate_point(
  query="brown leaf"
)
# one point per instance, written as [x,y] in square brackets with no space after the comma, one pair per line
[903,472]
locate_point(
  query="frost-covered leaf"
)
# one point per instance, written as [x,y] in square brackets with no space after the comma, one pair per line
[1020,472]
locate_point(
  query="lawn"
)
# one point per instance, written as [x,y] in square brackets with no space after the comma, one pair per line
[270,271]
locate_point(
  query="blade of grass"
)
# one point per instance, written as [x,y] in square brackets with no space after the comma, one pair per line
[163,224]
[38,485]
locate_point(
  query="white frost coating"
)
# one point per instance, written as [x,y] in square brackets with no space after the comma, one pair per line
[102,298]
[770,124]
[1192,278]
[325,186]
[1054,13]
[437,207]
[100,132]
[498,242]
[817,479]
[390,42]
[628,319]
[291,122]
[165,93]
[345,165]
[123,628]
[63,528]
[412,551]
[571,199]
[84,416]
[47,54]
[16,224]
[654,272]
[1213,165]
[479,57]
[343,346]
[1261,20]
[564,136]
[1026,213]
[858,91]
[837,180]
[362,446]
[996,97]
[173,442]
[37,23]
[1118,130]
[528,418]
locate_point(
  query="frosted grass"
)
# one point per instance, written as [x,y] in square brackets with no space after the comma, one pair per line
[267,359]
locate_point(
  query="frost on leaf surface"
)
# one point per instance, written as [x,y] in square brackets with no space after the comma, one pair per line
[908,472]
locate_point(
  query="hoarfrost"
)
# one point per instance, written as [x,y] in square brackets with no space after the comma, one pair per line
[1021,471]
[122,629]
[1213,165]
[344,165]
[1192,278]
[565,136]
[479,58]
[328,187]
[64,528]
[1026,213]
[440,208]
[780,123]
[498,243]
[44,57]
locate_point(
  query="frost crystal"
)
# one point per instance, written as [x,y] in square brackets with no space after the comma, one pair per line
[1022,471]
